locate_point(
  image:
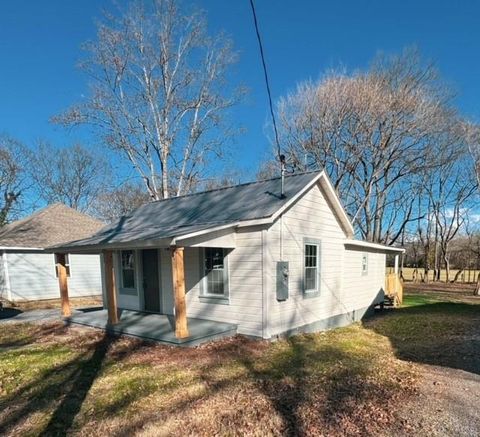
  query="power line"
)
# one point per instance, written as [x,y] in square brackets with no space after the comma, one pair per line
[272,113]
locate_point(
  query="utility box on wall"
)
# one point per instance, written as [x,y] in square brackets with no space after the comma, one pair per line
[282,280]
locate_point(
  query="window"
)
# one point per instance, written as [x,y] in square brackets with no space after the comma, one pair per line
[62,258]
[215,283]
[128,268]
[311,267]
[365,264]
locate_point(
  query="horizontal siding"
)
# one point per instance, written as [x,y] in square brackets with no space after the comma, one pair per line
[364,289]
[85,276]
[32,276]
[311,217]
[245,283]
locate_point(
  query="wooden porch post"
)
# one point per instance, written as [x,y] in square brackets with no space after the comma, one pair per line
[396,264]
[63,284]
[178,275]
[110,287]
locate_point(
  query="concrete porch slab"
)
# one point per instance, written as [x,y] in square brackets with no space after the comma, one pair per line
[156,327]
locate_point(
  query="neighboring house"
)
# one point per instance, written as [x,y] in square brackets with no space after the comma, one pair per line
[270,264]
[27,272]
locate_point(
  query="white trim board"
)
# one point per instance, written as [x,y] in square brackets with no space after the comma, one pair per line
[7,276]
[380,247]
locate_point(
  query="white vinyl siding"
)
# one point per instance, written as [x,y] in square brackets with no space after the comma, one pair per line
[310,219]
[32,276]
[364,288]
[244,282]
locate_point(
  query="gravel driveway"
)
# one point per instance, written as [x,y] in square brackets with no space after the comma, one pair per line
[448,404]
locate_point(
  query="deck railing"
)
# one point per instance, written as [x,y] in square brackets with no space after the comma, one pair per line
[394,288]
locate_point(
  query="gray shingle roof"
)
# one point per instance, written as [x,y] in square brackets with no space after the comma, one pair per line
[182,215]
[53,225]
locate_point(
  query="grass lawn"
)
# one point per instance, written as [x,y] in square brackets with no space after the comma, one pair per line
[56,379]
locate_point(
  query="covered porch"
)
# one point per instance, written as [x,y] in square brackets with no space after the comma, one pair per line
[145,288]
[156,327]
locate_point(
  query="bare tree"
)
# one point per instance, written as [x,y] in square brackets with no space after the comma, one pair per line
[12,177]
[268,170]
[113,203]
[375,133]
[159,93]
[454,185]
[71,175]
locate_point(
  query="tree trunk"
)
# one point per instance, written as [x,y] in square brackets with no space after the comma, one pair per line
[477,287]
[426,271]
[455,279]
[447,269]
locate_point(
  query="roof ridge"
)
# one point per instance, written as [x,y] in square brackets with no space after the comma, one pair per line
[234,186]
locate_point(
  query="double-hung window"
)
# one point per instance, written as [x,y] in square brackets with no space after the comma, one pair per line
[311,265]
[215,282]
[128,269]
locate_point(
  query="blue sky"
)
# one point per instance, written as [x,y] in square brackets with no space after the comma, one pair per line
[40,45]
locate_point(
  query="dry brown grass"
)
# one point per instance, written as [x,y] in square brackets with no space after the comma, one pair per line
[443,291]
[75,302]
[58,379]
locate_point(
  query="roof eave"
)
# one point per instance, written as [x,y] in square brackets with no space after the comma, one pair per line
[21,248]
[368,245]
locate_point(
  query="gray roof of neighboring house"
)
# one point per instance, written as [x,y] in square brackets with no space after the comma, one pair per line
[183,215]
[53,225]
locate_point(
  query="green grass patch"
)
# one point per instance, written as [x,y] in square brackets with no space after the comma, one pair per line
[411,300]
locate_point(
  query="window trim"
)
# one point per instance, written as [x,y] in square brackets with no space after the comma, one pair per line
[312,242]
[129,291]
[69,264]
[364,272]
[206,297]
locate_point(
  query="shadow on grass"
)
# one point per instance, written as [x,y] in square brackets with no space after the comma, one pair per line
[81,381]
[307,400]
[317,388]
[430,332]
[61,389]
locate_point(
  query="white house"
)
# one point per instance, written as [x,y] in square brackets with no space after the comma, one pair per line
[269,263]
[27,272]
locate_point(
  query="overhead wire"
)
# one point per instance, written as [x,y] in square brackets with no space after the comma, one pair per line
[267,82]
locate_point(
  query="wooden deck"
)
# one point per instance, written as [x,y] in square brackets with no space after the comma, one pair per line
[156,327]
